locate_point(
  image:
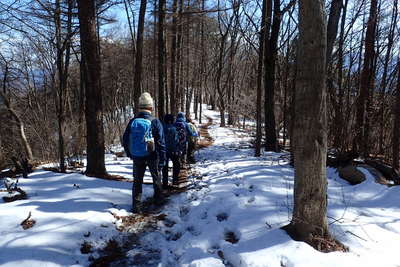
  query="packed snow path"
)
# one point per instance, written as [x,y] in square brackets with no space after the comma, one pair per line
[230,217]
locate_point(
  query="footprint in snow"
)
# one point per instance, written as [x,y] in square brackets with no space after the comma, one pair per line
[204,215]
[251,188]
[222,216]
[183,211]
[285,262]
[192,229]
[251,199]
[168,222]
[173,235]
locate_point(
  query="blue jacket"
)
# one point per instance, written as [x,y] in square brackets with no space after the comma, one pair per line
[181,118]
[157,132]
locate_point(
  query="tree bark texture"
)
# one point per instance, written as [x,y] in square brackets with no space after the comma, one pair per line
[271,51]
[361,144]
[259,79]
[93,102]
[161,59]
[396,125]
[172,76]
[20,125]
[137,81]
[332,27]
[310,134]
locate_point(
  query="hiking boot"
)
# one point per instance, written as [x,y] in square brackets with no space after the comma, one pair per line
[159,199]
[165,187]
[137,207]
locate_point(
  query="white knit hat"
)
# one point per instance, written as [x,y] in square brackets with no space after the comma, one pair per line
[145,101]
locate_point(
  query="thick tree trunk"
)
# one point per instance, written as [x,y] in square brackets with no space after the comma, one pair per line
[310,127]
[271,52]
[259,79]
[94,102]
[137,87]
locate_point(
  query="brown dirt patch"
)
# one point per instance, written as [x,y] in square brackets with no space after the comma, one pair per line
[133,221]
[111,252]
[28,222]
[207,140]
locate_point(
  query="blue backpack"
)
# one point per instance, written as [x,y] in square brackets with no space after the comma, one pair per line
[141,142]
[171,138]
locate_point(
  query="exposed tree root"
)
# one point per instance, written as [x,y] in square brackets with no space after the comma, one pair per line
[321,243]
[22,195]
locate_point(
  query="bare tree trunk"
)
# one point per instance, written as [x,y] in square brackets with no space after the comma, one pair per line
[360,142]
[173,104]
[139,56]
[221,95]
[310,135]
[396,124]
[20,124]
[94,102]
[161,59]
[202,63]
[61,84]
[179,86]
[131,25]
[384,75]
[259,79]
[332,28]
[339,125]
[271,52]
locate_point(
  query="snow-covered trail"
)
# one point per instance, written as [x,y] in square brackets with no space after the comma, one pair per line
[230,217]
[233,215]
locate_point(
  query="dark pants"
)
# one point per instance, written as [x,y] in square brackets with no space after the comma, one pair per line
[191,149]
[139,168]
[183,155]
[175,169]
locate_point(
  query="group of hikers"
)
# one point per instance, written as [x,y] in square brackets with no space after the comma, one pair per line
[152,143]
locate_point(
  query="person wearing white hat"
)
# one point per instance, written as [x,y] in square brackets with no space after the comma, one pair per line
[143,142]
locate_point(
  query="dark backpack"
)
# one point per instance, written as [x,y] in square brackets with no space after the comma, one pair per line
[171,138]
[181,128]
[141,142]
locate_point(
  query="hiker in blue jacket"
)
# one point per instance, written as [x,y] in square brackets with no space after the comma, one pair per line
[184,132]
[192,141]
[143,141]
[173,153]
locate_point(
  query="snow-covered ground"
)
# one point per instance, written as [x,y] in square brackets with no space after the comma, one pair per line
[230,217]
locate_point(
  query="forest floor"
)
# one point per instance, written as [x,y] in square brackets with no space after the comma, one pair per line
[230,215]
